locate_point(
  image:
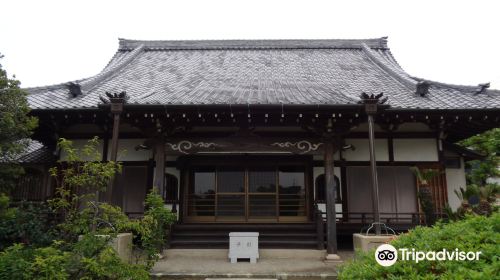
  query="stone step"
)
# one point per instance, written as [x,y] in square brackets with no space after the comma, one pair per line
[293,235]
[262,243]
[284,276]
[295,254]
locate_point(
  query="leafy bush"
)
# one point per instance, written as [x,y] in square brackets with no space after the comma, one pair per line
[97,218]
[93,258]
[488,144]
[28,223]
[475,233]
[151,230]
[89,258]
[15,262]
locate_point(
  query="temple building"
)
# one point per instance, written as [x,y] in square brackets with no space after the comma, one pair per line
[267,135]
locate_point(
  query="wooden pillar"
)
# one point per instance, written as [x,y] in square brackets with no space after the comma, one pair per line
[371,106]
[373,167]
[159,175]
[330,184]
[116,109]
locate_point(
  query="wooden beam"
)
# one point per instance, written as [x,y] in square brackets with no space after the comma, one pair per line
[159,174]
[373,104]
[244,144]
[330,184]
[373,167]
[116,110]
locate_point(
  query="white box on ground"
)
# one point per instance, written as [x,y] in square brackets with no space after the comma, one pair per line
[243,245]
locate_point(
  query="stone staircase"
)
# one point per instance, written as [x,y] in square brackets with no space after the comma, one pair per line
[286,236]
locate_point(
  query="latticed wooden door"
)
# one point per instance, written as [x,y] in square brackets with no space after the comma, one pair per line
[437,186]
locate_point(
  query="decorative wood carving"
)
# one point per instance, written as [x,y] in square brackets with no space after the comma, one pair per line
[185,146]
[304,146]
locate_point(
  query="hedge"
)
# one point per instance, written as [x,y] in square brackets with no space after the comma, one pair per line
[474,233]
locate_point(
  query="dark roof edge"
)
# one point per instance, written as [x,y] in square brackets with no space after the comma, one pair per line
[455,86]
[468,154]
[265,106]
[376,43]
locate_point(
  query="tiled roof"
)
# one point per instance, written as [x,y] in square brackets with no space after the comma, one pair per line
[332,72]
[35,152]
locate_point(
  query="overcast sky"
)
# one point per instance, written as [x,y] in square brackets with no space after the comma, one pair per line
[47,42]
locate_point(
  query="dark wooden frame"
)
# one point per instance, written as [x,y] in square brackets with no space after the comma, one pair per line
[188,162]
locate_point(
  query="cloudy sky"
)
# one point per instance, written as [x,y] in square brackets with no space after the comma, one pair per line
[47,42]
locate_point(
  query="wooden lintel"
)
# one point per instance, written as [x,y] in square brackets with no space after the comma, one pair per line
[185,146]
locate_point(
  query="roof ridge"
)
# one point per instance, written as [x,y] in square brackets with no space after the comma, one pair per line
[53,86]
[404,80]
[88,83]
[91,82]
[377,43]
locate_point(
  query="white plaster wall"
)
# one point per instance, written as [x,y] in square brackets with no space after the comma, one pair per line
[415,150]
[338,208]
[362,150]
[455,179]
[127,152]
[79,144]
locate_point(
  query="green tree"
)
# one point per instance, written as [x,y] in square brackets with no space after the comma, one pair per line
[78,179]
[488,144]
[16,126]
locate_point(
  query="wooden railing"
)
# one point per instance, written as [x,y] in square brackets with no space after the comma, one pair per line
[411,218]
[362,220]
[258,205]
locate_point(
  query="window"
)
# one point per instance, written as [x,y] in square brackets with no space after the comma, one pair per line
[239,193]
[321,189]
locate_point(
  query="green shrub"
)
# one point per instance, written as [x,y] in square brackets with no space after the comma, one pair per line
[15,262]
[89,258]
[97,218]
[50,263]
[27,223]
[93,258]
[150,232]
[474,233]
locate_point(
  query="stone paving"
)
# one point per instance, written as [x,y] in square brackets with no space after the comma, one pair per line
[272,264]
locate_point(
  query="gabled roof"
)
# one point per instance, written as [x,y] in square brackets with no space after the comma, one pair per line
[310,72]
